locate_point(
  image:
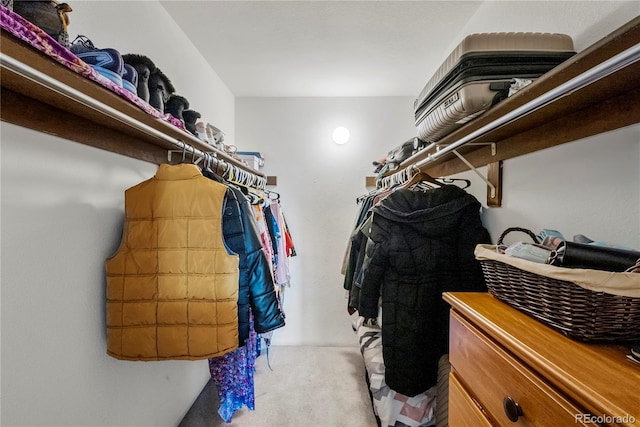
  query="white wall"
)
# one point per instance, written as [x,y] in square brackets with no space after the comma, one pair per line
[590,187]
[146,28]
[585,21]
[319,182]
[62,212]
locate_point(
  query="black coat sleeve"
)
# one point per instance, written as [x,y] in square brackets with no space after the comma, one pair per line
[373,270]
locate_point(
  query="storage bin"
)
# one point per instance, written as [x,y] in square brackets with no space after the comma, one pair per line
[586,305]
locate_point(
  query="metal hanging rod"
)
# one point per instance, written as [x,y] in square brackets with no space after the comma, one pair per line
[47,81]
[229,171]
[604,69]
[407,173]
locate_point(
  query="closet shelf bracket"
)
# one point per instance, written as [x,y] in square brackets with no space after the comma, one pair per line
[493,179]
[476,171]
[185,148]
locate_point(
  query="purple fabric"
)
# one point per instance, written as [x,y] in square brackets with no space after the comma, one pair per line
[233,376]
[36,37]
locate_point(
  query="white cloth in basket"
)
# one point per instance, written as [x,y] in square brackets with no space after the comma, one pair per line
[623,284]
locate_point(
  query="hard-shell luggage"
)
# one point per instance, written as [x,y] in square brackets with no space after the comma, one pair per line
[479,73]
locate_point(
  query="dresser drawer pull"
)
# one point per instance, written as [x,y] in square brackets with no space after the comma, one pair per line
[511,408]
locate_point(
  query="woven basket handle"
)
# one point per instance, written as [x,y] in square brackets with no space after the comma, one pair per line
[522,230]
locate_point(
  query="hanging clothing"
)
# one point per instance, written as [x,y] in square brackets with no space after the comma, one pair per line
[354,249]
[256,289]
[354,256]
[233,375]
[421,244]
[172,285]
[258,305]
[272,229]
[354,273]
[290,246]
[263,231]
[282,274]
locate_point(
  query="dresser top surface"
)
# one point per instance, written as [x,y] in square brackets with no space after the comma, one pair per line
[595,375]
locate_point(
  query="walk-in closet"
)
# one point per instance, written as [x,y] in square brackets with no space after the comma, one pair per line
[247,225]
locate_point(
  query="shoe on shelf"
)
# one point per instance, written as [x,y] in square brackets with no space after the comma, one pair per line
[81,44]
[107,62]
[190,117]
[160,90]
[176,105]
[130,79]
[144,67]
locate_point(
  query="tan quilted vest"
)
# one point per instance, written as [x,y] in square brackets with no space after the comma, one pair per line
[172,287]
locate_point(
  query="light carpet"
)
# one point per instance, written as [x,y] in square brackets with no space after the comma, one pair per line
[305,387]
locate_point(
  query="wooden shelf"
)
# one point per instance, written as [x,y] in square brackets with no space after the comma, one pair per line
[604,104]
[30,103]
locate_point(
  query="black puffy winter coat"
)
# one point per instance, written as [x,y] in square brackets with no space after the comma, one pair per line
[421,244]
[256,290]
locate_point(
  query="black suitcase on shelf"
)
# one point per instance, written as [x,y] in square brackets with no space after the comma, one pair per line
[479,73]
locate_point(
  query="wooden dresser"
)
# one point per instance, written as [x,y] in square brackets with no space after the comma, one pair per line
[505,364]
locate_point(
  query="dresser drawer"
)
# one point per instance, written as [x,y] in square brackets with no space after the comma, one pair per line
[491,375]
[462,410]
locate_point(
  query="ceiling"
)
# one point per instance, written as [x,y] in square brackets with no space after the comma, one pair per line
[323,48]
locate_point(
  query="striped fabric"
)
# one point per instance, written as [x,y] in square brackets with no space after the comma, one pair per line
[442,409]
[392,408]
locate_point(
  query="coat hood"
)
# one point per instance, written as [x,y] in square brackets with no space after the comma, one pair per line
[439,207]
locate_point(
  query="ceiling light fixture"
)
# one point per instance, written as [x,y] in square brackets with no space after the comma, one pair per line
[341,135]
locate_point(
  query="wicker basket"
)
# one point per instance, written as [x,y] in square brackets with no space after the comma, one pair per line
[579,313]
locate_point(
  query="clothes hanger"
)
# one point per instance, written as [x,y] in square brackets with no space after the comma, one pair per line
[184,152]
[252,194]
[360,198]
[420,176]
[208,160]
[241,176]
[207,171]
[221,165]
[273,195]
[453,180]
